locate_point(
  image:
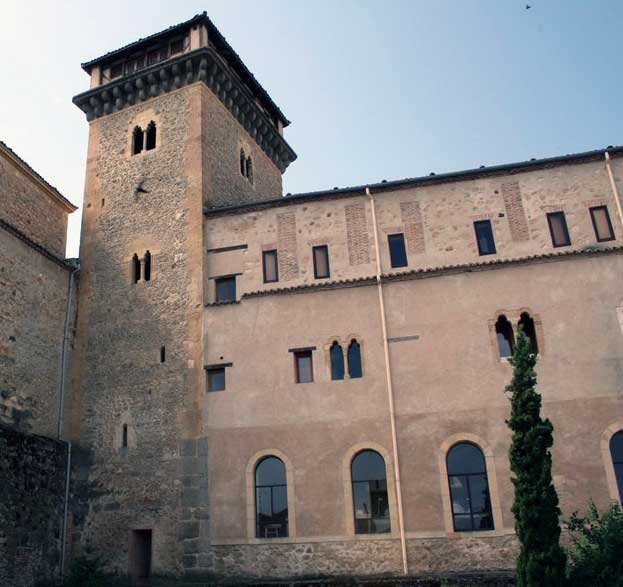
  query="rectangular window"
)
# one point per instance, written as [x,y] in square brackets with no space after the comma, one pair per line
[601,223]
[270,266]
[116,70]
[226,289]
[177,46]
[484,237]
[397,250]
[558,229]
[216,378]
[321,262]
[303,366]
[152,57]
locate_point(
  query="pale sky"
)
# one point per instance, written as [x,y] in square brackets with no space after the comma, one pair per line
[375,89]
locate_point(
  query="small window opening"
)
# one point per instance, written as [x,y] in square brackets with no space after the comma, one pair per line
[270,266]
[136,268]
[243,163]
[355,369]
[216,379]
[303,366]
[484,237]
[116,70]
[177,46]
[337,361]
[147,268]
[558,229]
[150,141]
[103,202]
[124,440]
[602,224]
[321,262]
[249,169]
[397,250]
[526,325]
[226,289]
[505,336]
[163,354]
[137,140]
[140,554]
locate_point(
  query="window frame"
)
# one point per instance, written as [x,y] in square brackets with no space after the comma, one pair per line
[214,369]
[392,238]
[324,248]
[592,211]
[265,254]
[300,353]
[271,487]
[368,483]
[485,222]
[561,214]
[220,280]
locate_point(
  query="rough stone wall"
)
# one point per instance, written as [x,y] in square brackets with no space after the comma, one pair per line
[32,477]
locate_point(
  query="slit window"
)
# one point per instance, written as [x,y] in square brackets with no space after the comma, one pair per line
[484,237]
[303,366]
[354,360]
[558,229]
[370,500]
[216,378]
[526,325]
[124,439]
[321,262]
[270,266]
[616,452]
[243,163]
[136,269]
[337,361]
[397,250]
[602,224]
[505,337]
[163,354]
[147,267]
[249,169]
[226,289]
[271,499]
[137,140]
[150,139]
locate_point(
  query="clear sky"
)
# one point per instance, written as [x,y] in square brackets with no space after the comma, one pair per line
[375,89]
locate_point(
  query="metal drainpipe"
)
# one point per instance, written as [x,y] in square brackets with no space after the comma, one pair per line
[390,390]
[615,191]
[61,402]
[65,508]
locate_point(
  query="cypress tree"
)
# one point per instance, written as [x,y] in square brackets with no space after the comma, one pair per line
[541,561]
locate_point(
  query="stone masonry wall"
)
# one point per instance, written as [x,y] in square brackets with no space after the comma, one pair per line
[32,478]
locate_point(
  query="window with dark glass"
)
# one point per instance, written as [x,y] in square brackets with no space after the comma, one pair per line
[601,223]
[616,452]
[136,268]
[216,378]
[526,325]
[337,361]
[177,46]
[484,237]
[225,289]
[150,139]
[370,501]
[469,488]
[321,262]
[271,499]
[505,337]
[270,266]
[303,366]
[354,360]
[558,229]
[397,250]
[137,140]
[147,266]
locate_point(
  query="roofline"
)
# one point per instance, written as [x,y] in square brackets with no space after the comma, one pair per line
[220,41]
[18,162]
[431,179]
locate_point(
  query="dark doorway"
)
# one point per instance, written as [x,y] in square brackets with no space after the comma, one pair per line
[140,554]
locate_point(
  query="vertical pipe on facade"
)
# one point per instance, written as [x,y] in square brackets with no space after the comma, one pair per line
[61,391]
[615,191]
[65,507]
[390,390]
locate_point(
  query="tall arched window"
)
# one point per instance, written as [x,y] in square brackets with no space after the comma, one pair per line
[616,452]
[271,499]
[505,335]
[370,500]
[243,163]
[147,268]
[526,324]
[137,140]
[354,359]
[136,268]
[249,169]
[150,140]
[337,361]
[469,488]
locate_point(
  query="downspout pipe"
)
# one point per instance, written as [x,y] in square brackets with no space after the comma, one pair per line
[613,185]
[390,389]
[65,509]
[61,391]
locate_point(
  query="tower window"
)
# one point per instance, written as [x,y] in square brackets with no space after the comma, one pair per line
[354,360]
[303,366]
[526,324]
[226,289]
[270,266]
[177,46]
[147,267]
[216,378]
[137,140]
[124,439]
[136,268]
[163,354]
[337,361]
[150,140]
[116,70]
[321,262]
[243,163]
[505,337]
[484,237]
[249,169]
[397,250]
[558,229]
[601,223]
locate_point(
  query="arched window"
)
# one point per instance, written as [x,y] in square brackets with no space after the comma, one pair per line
[150,141]
[354,359]
[137,140]
[505,335]
[147,268]
[337,361]
[370,500]
[526,324]
[243,163]
[469,488]
[616,452]
[249,169]
[136,268]
[271,499]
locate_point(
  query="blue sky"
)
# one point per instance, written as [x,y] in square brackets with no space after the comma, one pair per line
[374,89]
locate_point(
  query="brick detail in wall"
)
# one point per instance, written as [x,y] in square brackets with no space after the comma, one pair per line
[357,234]
[515,212]
[286,246]
[413,226]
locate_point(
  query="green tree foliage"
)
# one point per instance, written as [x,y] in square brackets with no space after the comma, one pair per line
[541,561]
[596,555]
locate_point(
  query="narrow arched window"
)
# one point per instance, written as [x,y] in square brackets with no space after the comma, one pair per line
[616,452]
[150,140]
[370,501]
[469,488]
[354,360]
[136,268]
[337,361]
[163,354]
[137,140]
[271,499]
[147,268]
[124,436]
[505,336]
[243,163]
[249,169]
[526,325]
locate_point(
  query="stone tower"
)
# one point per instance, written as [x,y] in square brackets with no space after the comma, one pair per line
[177,124]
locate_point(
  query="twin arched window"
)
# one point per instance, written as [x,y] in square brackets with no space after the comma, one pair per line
[144,139]
[336,354]
[616,452]
[271,499]
[370,501]
[246,166]
[136,267]
[506,335]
